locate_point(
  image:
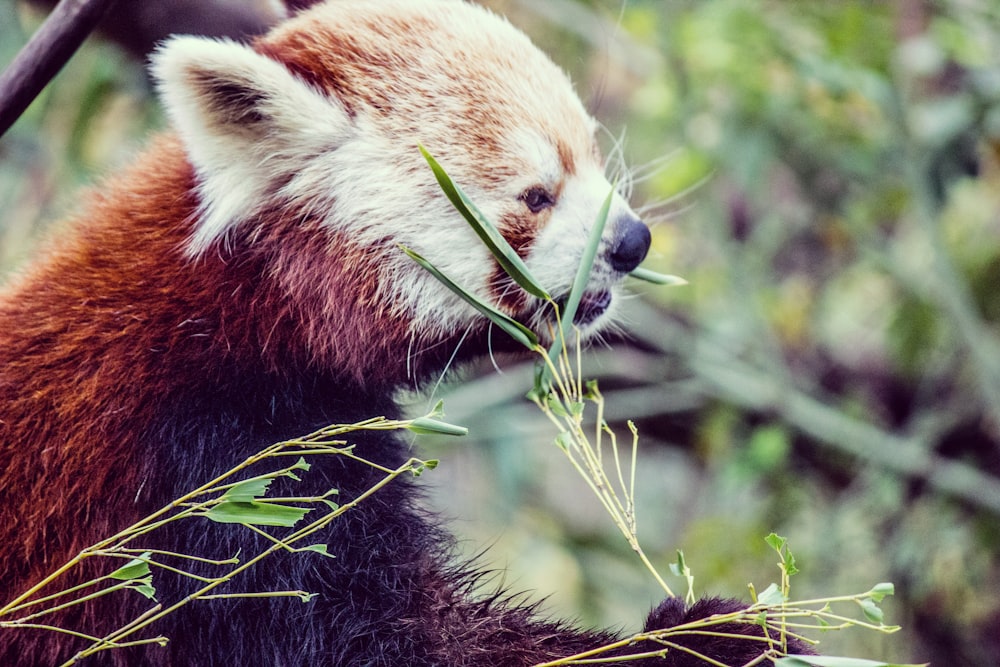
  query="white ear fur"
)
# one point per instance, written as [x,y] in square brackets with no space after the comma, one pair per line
[246,122]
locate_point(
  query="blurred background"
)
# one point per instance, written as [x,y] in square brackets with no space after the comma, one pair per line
[827,177]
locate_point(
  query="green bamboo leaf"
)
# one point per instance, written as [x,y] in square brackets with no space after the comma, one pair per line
[680,568]
[776,542]
[247,491]
[881,591]
[428,426]
[790,567]
[145,587]
[258,514]
[318,548]
[134,569]
[585,267]
[655,278]
[564,440]
[555,405]
[771,596]
[832,661]
[872,611]
[543,381]
[542,384]
[418,469]
[437,412]
[512,327]
[487,231]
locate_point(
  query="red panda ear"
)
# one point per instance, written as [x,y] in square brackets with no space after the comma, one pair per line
[247,124]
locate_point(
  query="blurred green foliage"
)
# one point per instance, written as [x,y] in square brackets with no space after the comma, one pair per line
[827,177]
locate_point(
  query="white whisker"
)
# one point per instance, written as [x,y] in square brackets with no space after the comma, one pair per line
[447,366]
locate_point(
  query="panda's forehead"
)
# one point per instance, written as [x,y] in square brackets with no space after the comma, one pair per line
[546,158]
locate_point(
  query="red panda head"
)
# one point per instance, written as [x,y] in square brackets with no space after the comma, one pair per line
[320,122]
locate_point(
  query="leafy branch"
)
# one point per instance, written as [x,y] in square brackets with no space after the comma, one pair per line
[561,393]
[772,612]
[225,499]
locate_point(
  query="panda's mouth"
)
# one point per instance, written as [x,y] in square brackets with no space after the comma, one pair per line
[592,306]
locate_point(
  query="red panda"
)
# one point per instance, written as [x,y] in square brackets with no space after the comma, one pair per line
[242,284]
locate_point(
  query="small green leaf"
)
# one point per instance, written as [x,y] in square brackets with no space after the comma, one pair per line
[134,569]
[487,231]
[831,661]
[245,492]
[872,611]
[145,588]
[512,327]
[657,278]
[564,440]
[790,567]
[771,596]
[418,469]
[680,568]
[776,541]
[257,514]
[555,405]
[542,385]
[426,426]
[881,591]
[318,548]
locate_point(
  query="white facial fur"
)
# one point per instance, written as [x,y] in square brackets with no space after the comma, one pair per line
[259,137]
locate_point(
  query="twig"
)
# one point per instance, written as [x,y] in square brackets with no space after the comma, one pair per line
[44,55]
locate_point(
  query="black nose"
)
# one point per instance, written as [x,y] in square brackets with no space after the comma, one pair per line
[631,245]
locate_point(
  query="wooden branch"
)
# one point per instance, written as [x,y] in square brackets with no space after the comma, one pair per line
[44,55]
[139,25]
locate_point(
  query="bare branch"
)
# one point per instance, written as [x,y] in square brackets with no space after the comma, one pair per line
[138,27]
[135,26]
[45,54]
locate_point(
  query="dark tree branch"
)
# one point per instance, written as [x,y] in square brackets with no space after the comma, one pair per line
[135,26]
[138,26]
[45,54]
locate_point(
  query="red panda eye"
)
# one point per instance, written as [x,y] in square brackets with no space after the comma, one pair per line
[537,199]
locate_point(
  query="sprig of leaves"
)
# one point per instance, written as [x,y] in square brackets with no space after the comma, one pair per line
[225,499]
[559,390]
[562,395]
[773,612]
